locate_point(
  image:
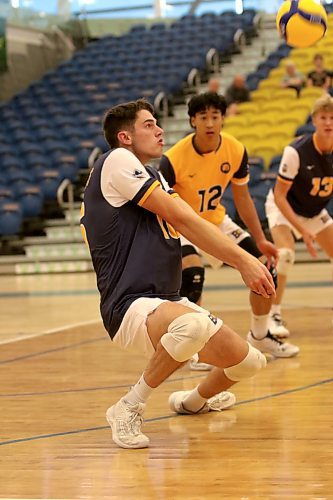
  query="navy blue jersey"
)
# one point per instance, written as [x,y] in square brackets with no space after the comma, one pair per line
[134,252]
[309,172]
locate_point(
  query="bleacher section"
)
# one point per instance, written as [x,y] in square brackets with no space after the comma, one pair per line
[49,131]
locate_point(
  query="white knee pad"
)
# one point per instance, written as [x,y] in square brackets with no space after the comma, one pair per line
[187,335]
[251,364]
[286,260]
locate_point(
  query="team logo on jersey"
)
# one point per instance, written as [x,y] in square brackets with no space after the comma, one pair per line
[310,167]
[138,173]
[284,168]
[237,233]
[225,167]
[212,318]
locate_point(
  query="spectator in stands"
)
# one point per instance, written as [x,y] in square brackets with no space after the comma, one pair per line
[293,79]
[236,93]
[214,84]
[319,76]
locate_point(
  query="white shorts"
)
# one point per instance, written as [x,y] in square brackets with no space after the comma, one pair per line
[133,335]
[314,224]
[227,227]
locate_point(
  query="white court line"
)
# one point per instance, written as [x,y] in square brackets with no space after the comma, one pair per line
[49,332]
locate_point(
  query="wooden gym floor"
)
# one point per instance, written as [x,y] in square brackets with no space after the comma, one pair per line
[59,373]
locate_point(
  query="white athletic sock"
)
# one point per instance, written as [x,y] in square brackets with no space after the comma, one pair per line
[259,325]
[276,309]
[194,401]
[139,393]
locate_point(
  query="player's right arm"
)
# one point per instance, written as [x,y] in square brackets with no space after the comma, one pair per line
[210,239]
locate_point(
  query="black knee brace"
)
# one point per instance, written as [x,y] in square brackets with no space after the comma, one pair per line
[273,272]
[192,283]
[249,245]
[188,250]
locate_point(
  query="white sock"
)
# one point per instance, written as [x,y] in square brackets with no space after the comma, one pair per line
[259,325]
[194,401]
[276,309]
[139,393]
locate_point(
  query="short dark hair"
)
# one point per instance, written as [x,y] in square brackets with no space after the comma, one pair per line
[122,116]
[201,102]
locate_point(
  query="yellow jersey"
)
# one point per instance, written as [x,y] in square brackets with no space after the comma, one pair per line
[201,179]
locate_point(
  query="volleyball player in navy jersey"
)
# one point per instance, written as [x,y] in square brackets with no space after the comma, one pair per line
[131,221]
[297,206]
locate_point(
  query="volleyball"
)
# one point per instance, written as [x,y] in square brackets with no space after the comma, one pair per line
[301,22]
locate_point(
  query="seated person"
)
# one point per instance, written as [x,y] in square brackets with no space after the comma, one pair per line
[293,79]
[319,76]
[214,85]
[236,92]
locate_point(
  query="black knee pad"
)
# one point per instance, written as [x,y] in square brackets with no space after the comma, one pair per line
[248,244]
[188,250]
[192,283]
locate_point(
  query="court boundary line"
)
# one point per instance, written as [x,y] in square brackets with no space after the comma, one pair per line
[91,322]
[99,321]
[48,351]
[91,291]
[165,417]
[50,332]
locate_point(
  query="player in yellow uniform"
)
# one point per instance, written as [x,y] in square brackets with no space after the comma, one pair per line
[199,168]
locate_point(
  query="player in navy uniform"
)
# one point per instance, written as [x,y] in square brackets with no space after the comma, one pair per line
[303,189]
[131,221]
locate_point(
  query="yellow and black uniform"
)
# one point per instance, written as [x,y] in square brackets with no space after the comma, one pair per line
[201,179]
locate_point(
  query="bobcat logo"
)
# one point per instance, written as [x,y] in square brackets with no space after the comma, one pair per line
[225,167]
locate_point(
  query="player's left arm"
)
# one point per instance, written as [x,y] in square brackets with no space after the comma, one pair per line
[247,210]
[248,213]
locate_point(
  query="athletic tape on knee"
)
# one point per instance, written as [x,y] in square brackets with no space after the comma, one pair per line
[192,283]
[187,335]
[251,364]
[286,260]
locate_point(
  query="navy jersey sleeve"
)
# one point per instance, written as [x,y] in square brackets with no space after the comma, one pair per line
[167,170]
[243,170]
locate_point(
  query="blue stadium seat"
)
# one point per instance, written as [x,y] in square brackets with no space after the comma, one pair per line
[10,219]
[308,128]
[31,200]
[259,202]
[48,180]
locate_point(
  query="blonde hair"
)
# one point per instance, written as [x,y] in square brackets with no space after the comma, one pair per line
[324,103]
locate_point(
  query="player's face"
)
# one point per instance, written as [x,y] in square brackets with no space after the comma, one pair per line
[208,124]
[323,121]
[147,137]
